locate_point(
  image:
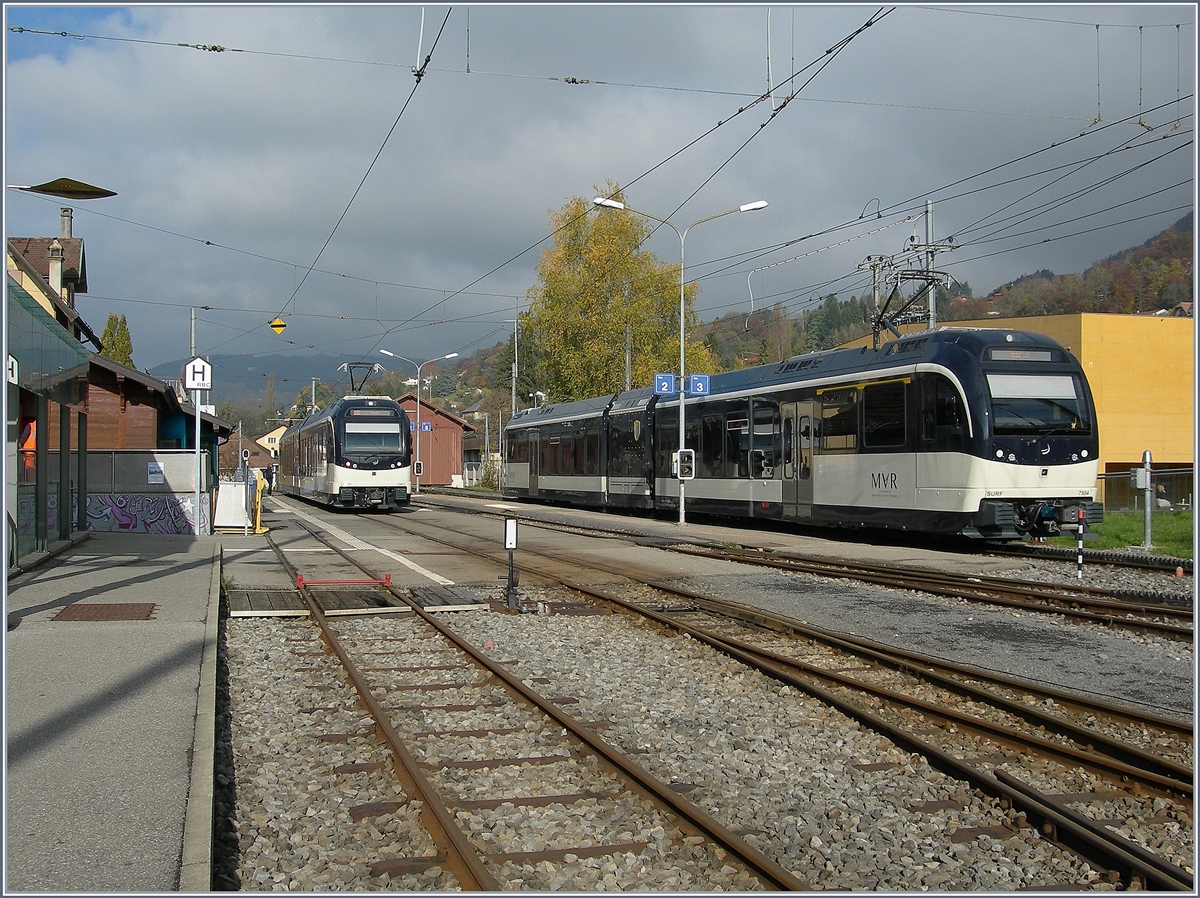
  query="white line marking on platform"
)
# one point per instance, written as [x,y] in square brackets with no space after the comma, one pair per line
[355,543]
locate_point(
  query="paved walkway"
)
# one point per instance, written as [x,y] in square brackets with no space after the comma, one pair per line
[110,722]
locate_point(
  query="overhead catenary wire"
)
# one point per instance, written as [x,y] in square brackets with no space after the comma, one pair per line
[420,74]
[761,98]
[443,298]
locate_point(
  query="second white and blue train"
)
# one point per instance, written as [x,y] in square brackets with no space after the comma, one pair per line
[355,454]
[984,433]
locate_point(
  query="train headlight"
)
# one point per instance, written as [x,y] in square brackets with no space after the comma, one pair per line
[1012,456]
[1084,453]
[1074,457]
[999,453]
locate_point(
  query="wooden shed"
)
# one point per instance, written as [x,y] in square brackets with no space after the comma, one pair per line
[441,441]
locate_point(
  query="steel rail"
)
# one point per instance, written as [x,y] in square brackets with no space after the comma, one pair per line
[1123,600]
[915,661]
[462,860]
[1036,597]
[1131,558]
[1095,844]
[770,873]
[1154,771]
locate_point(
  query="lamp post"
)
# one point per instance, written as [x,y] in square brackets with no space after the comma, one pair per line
[748,207]
[417,461]
[67,188]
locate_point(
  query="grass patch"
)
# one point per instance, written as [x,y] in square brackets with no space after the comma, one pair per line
[1170,532]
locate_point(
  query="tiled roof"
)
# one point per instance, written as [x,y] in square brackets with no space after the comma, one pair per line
[36,251]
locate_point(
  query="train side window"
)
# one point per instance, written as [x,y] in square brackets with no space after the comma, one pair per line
[766,438]
[737,441]
[941,413]
[839,421]
[592,452]
[712,446]
[884,415]
[806,441]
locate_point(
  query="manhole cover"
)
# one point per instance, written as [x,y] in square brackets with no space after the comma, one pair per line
[107,611]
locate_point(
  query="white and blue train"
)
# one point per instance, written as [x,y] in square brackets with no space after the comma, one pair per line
[355,454]
[984,433]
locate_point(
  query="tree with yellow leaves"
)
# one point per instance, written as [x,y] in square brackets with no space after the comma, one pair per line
[597,290]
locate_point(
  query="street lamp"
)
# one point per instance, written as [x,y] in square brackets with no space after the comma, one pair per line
[67,188]
[609,203]
[417,461]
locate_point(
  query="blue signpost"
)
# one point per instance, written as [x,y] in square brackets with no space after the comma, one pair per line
[664,384]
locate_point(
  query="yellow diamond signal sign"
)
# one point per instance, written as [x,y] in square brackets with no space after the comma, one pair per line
[278,325]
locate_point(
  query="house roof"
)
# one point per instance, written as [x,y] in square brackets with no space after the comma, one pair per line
[154,385]
[426,406]
[36,251]
[39,276]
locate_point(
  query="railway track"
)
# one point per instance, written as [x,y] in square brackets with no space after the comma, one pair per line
[1068,747]
[478,784]
[1132,559]
[1140,611]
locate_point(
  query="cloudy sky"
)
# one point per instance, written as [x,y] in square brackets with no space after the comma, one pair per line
[305,171]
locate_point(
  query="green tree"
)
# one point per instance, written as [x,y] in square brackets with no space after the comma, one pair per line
[269,397]
[117,343]
[592,285]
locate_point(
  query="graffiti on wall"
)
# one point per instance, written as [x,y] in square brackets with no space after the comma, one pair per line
[145,513]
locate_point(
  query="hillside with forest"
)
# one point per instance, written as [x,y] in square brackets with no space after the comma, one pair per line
[1156,275]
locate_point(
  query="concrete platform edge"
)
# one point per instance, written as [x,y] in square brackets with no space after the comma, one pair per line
[196,870]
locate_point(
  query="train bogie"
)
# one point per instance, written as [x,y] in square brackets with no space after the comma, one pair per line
[983,433]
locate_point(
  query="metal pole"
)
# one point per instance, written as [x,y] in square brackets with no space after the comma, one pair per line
[628,356]
[929,264]
[417,477]
[748,207]
[514,368]
[682,374]
[1148,498]
[196,409]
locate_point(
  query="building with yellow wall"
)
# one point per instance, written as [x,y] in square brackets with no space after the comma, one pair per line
[1141,369]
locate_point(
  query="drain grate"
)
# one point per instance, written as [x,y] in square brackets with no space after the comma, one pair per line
[107,611]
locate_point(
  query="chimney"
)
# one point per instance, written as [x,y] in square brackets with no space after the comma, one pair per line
[55,275]
[65,230]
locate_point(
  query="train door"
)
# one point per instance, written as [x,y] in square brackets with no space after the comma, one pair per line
[797,458]
[534,447]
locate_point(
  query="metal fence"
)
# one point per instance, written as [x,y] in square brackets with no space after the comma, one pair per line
[1171,488]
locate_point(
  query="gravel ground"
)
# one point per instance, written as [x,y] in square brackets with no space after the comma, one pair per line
[798,780]
[1141,671]
[834,803]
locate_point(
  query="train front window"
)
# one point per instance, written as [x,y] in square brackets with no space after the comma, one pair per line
[372,439]
[1037,403]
